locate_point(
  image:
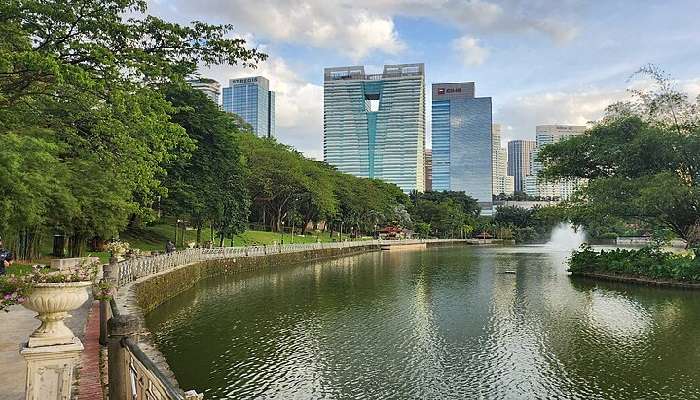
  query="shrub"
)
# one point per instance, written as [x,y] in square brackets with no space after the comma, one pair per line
[650,262]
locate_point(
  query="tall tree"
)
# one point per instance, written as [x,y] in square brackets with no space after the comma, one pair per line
[82,79]
[642,160]
[207,188]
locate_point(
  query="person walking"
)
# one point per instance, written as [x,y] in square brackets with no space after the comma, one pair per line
[6,259]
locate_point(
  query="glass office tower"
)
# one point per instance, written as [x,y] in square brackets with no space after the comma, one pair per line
[519,157]
[252,99]
[461,132]
[374,125]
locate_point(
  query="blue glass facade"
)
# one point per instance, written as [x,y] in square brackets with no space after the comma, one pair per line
[462,141]
[441,145]
[252,100]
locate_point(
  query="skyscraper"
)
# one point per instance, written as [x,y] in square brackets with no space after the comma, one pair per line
[544,135]
[210,87]
[462,149]
[252,99]
[428,172]
[374,125]
[502,182]
[519,153]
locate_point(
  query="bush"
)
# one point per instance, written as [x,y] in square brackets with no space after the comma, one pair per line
[522,235]
[648,262]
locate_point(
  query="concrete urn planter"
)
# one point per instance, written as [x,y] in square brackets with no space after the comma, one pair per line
[53,301]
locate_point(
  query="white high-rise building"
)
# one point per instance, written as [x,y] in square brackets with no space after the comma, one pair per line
[210,87]
[502,182]
[562,189]
[374,124]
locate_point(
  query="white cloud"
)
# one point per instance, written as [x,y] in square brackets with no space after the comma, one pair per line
[359,27]
[319,23]
[298,104]
[522,114]
[470,51]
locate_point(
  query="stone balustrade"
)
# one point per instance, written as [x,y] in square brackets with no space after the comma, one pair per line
[138,267]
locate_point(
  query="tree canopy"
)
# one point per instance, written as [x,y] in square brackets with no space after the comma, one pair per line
[82,87]
[642,161]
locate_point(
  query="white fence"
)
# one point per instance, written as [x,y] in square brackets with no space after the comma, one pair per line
[134,268]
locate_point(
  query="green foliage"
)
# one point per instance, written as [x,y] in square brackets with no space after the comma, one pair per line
[645,262]
[525,235]
[528,225]
[84,125]
[208,187]
[423,229]
[287,189]
[642,161]
[445,214]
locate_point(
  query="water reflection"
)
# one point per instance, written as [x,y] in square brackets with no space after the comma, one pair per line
[442,323]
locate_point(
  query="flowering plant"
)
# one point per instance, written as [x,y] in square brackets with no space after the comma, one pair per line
[117,247]
[15,289]
[103,291]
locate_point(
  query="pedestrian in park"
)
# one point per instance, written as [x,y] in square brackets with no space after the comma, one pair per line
[6,259]
[169,247]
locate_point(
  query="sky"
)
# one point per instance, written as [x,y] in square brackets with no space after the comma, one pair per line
[541,61]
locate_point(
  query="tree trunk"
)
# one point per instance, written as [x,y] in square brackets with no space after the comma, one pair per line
[76,244]
[199,234]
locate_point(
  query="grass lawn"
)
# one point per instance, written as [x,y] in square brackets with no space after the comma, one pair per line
[153,237]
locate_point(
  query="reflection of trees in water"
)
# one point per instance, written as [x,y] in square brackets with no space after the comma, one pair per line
[423,323]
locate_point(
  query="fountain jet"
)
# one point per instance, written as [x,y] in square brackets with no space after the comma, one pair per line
[566,237]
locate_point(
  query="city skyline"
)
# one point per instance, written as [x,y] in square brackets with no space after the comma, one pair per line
[542,63]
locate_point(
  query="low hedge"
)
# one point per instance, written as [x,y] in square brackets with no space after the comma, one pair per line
[647,262]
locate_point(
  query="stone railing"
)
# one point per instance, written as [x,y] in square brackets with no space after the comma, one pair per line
[135,268]
[132,375]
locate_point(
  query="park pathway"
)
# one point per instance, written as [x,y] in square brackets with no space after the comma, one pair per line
[15,328]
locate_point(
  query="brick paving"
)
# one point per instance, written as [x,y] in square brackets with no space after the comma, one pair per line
[89,385]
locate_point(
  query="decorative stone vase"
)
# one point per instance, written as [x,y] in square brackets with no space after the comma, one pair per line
[53,301]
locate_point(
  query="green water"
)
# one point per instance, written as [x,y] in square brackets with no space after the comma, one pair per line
[442,323]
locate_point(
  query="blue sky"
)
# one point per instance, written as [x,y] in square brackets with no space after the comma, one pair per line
[542,61]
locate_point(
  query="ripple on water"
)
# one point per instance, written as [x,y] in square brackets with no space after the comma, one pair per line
[427,325]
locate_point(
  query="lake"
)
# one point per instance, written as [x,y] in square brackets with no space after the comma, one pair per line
[441,323]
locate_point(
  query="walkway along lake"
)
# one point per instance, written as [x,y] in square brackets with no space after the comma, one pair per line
[441,323]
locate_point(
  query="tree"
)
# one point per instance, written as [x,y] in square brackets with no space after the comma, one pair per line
[208,187]
[642,160]
[512,216]
[83,81]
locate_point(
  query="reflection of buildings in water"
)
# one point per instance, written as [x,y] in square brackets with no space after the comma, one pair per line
[517,361]
[425,336]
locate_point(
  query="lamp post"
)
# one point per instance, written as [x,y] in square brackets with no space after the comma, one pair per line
[282,240]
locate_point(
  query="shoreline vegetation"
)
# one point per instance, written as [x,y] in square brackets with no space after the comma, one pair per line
[649,265]
[639,280]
